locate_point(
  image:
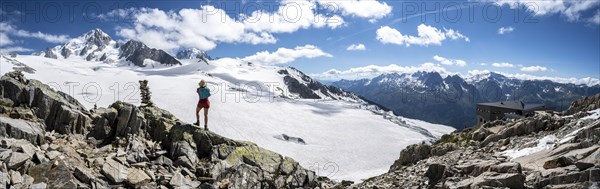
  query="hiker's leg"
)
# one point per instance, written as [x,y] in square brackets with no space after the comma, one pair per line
[205,117]
[198,114]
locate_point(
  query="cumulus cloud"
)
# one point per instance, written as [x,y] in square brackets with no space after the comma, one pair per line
[534,69]
[208,26]
[285,55]
[375,70]
[571,9]
[4,40]
[503,30]
[427,35]
[369,9]
[357,47]
[503,65]
[447,61]
[9,29]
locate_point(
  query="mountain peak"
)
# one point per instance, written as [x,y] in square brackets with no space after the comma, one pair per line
[95,37]
[192,53]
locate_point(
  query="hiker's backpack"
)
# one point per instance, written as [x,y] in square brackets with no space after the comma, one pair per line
[203,92]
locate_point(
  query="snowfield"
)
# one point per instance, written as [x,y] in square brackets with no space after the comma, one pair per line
[343,139]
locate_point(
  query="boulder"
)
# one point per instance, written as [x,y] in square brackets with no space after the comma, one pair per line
[412,154]
[435,172]
[16,159]
[137,177]
[83,174]
[15,177]
[114,171]
[497,180]
[561,161]
[4,179]
[54,174]
[22,129]
[508,167]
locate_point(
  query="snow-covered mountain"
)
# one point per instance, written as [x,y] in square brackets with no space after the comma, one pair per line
[451,100]
[343,136]
[193,53]
[95,45]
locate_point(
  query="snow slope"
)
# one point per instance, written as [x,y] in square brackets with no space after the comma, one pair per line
[345,139]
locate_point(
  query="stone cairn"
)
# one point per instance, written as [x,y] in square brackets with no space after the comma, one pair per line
[145,93]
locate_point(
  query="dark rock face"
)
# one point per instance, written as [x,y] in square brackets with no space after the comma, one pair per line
[125,146]
[136,52]
[307,88]
[49,54]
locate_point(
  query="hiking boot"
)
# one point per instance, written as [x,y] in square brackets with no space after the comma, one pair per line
[197,123]
[206,128]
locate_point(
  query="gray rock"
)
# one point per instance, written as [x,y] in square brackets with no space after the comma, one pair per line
[137,177]
[54,174]
[83,174]
[40,185]
[22,129]
[114,171]
[435,172]
[412,154]
[561,161]
[15,177]
[509,167]
[510,180]
[16,159]
[4,179]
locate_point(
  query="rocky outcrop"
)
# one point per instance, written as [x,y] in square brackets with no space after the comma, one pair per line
[57,110]
[585,104]
[548,150]
[61,145]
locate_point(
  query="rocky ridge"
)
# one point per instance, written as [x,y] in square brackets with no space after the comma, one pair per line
[548,150]
[49,140]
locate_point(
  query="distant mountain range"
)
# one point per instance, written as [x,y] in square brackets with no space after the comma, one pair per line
[96,45]
[451,100]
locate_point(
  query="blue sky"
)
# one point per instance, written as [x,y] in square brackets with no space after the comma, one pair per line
[556,39]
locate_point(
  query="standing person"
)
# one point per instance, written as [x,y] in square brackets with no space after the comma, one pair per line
[203,103]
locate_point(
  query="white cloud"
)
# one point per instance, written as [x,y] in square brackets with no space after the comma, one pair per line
[447,61]
[7,50]
[4,40]
[374,70]
[12,30]
[285,55]
[571,9]
[534,69]
[503,30]
[483,64]
[357,47]
[427,35]
[595,19]
[208,26]
[578,81]
[290,17]
[503,65]
[369,9]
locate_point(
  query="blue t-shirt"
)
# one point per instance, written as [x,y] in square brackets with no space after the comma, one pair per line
[203,92]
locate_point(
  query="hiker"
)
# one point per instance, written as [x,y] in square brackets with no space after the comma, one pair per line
[203,103]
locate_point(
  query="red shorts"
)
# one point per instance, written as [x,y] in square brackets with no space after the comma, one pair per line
[204,103]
